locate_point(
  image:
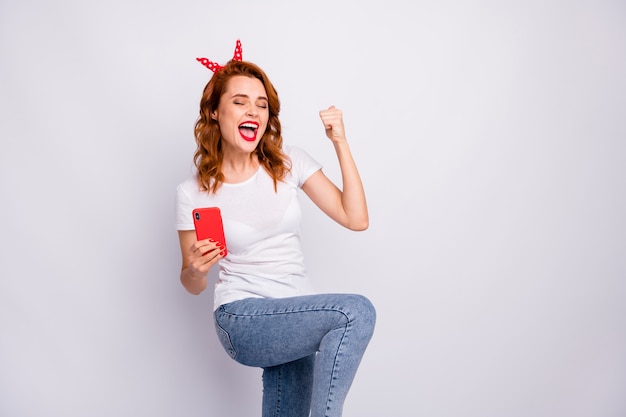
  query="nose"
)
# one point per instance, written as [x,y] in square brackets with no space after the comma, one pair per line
[252,110]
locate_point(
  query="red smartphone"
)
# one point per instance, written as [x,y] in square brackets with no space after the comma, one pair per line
[208,224]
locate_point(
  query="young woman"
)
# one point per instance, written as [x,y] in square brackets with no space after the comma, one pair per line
[267,314]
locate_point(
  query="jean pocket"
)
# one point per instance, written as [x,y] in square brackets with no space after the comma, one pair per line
[224,338]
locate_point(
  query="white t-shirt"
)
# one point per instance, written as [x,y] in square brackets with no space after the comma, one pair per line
[262,231]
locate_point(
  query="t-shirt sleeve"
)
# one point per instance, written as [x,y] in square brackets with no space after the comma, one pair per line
[184,207]
[302,164]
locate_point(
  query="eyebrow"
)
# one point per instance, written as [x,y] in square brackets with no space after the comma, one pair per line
[246,96]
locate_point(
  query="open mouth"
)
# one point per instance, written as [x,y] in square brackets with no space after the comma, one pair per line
[248,130]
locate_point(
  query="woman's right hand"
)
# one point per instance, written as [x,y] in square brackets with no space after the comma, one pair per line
[201,256]
[198,258]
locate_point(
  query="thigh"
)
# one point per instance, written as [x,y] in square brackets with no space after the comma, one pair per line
[268,332]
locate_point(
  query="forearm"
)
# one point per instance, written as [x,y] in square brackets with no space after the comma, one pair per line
[353,195]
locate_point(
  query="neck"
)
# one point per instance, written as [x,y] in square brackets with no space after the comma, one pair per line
[237,168]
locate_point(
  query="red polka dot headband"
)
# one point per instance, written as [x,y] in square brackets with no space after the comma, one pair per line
[214,66]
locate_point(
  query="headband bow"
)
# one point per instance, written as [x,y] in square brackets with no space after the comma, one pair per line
[214,66]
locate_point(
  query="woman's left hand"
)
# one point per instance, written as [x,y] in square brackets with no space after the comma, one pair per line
[332,118]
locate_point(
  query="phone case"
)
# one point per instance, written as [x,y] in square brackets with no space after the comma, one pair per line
[208,224]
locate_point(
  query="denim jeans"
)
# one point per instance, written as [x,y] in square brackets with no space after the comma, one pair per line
[309,348]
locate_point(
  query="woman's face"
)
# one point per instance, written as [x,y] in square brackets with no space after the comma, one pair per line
[242,114]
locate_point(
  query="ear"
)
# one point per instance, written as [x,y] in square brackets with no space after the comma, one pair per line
[214,115]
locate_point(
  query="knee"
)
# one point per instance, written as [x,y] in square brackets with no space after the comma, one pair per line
[363,313]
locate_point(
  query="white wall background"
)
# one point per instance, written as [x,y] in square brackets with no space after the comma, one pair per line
[491,136]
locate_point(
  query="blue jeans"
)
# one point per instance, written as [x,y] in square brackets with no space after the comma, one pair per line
[309,348]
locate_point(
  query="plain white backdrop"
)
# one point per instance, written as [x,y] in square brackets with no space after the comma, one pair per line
[491,137]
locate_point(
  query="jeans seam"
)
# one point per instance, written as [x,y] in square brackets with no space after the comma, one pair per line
[230,349]
[278,390]
[335,363]
[273,313]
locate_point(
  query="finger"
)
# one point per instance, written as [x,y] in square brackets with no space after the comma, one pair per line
[329,118]
[203,262]
[330,110]
[211,249]
[200,249]
[212,257]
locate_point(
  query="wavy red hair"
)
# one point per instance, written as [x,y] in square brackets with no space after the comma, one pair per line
[209,153]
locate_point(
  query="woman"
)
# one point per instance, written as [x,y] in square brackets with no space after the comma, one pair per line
[266,313]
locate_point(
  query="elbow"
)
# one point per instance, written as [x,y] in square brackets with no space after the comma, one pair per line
[359,226]
[194,287]
[194,291]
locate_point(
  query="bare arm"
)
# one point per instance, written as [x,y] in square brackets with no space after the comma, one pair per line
[348,206]
[198,258]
